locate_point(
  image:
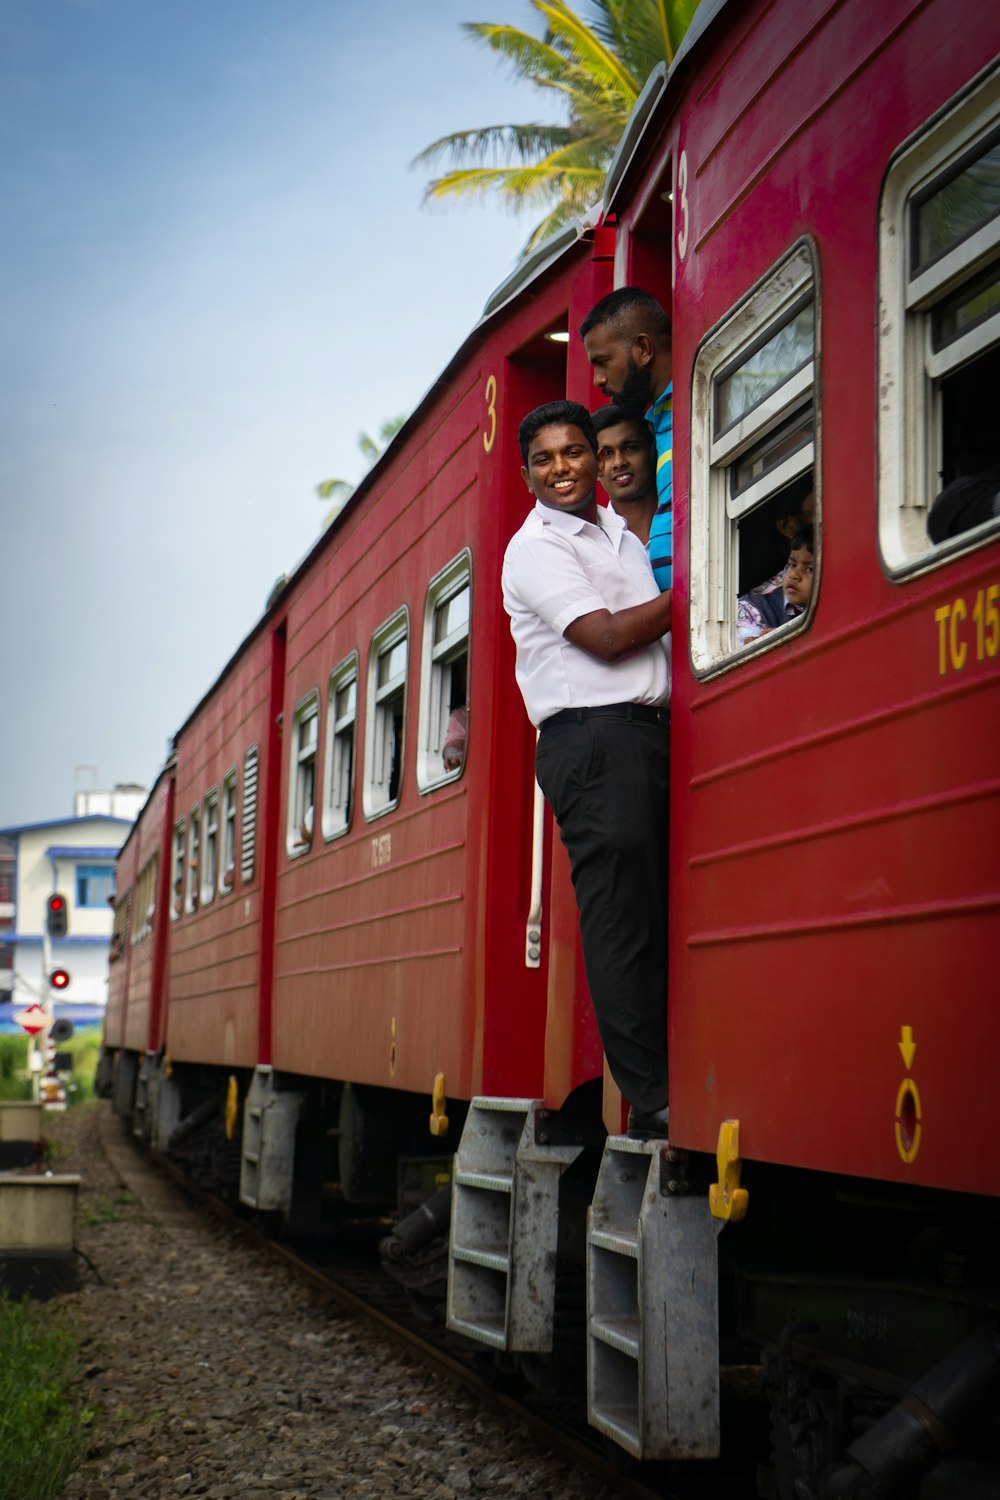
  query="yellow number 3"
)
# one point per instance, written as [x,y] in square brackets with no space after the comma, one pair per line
[491,396]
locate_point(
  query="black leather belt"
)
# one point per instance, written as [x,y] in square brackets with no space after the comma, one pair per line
[641,713]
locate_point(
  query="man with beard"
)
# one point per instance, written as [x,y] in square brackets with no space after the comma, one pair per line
[627,338]
[591,630]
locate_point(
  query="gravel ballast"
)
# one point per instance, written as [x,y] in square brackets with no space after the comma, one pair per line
[216,1372]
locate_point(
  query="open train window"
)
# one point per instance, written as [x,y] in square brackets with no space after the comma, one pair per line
[227,864]
[210,856]
[939,336]
[193,861]
[341,740]
[177,870]
[386,715]
[753,458]
[145,901]
[444,676]
[302,782]
[248,832]
[119,932]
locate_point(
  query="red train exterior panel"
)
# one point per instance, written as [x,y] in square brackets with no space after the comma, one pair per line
[835,808]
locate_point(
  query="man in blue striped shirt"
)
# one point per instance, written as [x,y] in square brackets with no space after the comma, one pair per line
[627,338]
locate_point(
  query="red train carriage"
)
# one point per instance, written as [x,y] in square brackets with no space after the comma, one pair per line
[138,944]
[345,907]
[359,937]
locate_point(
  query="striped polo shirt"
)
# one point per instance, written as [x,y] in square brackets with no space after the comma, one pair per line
[661,533]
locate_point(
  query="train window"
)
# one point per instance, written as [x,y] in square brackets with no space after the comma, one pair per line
[302,784]
[210,856]
[753,455]
[386,714]
[248,833]
[177,870]
[119,932]
[193,861]
[444,676]
[939,344]
[145,901]
[227,864]
[341,739]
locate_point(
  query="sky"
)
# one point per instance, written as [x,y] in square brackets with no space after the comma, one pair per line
[215,271]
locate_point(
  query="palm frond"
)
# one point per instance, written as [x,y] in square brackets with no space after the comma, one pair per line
[530,58]
[496,143]
[596,61]
[587,47]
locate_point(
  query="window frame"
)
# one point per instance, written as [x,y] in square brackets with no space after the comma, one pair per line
[227,824]
[375,798]
[248,813]
[432,721]
[910,447]
[337,817]
[102,873]
[299,838]
[209,872]
[178,851]
[788,286]
[192,882]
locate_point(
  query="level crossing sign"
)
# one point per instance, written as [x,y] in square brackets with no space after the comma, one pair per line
[33,1019]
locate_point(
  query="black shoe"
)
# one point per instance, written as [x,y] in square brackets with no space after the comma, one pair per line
[651,1127]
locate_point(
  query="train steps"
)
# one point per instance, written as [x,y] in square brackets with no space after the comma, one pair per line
[505,1226]
[652,1308]
[268,1147]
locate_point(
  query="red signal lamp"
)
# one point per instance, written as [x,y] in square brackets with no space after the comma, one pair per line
[59,979]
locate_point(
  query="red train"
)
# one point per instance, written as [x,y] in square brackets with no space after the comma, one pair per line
[346,967]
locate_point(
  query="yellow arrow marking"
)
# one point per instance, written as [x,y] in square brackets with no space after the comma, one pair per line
[907,1045]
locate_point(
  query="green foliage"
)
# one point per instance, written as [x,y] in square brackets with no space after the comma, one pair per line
[341,490]
[123,1207]
[595,62]
[14,1080]
[42,1430]
[84,1047]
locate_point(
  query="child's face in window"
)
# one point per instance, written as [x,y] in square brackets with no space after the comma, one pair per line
[798,579]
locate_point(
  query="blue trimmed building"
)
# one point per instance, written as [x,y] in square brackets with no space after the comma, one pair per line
[75,856]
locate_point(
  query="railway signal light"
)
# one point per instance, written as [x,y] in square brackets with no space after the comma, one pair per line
[57,916]
[59,979]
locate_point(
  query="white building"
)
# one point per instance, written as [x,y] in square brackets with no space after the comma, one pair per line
[75,857]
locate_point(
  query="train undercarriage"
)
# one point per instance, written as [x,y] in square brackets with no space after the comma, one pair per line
[859,1321]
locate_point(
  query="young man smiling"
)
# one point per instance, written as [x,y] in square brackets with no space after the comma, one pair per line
[626,466]
[590,628]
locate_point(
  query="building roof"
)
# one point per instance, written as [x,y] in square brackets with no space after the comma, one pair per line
[78,851]
[67,823]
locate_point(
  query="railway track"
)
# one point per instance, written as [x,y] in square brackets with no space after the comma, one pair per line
[350,1277]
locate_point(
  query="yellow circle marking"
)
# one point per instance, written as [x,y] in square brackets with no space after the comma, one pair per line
[908,1088]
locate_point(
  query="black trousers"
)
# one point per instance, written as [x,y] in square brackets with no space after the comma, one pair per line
[606,780]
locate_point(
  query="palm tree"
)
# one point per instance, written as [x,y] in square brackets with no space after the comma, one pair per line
[341,490]
[598,67]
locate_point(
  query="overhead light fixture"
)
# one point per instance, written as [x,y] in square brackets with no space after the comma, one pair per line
[667,197]
[560,336]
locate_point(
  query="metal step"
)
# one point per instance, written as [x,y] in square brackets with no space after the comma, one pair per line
[268,1145]
[505,1227]
[141,1115]
[652,1309]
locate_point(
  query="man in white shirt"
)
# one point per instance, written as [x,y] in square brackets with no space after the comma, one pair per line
[590,627]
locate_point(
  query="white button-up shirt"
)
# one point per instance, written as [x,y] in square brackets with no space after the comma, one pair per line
[558,567]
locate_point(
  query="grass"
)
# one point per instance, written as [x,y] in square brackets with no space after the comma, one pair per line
[110,1210]
[84,1047]
[43,1432]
